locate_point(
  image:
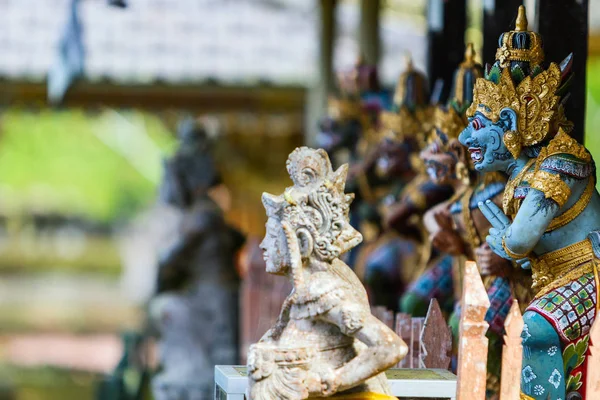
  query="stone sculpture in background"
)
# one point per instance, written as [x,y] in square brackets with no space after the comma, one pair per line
[196,309]
[550,219]
[325,340]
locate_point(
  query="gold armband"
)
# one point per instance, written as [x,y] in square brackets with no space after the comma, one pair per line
[552,186]
[510,253]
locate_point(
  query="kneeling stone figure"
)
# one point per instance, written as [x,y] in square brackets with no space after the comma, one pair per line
[325,341]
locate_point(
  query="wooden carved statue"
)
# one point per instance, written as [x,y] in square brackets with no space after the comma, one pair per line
[459,228]
[387,261]
[325,341]
[444,167]
[550,212]
[196,309]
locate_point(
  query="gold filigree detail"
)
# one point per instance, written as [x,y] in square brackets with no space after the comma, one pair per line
[552,186]
[534,100]
[558,267]
[508,199]
[449,122]
[404,123]
[575,210]
[562,143]
[473,238]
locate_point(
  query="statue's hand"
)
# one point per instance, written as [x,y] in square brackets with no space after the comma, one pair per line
[490,263]
[330,382]
[500,223]
[524,263]
[260,362]
[448,242]
[443,218]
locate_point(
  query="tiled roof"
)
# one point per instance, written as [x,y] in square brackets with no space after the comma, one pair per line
[179,41]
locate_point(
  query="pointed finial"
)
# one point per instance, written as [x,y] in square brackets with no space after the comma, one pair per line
[408,61]
[469,60]
[521,25]
[470,53]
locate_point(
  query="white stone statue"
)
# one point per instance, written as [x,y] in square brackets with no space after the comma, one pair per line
[325,341]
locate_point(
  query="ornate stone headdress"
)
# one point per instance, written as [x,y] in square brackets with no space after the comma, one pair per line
[411,101]
[518,81]
[316,202]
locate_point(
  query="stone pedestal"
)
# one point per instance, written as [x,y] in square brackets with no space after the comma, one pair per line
[231,383]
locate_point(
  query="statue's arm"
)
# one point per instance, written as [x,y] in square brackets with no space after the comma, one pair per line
[549,193]
[384,347]
[429,218]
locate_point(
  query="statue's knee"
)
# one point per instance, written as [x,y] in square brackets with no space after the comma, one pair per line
[538,332]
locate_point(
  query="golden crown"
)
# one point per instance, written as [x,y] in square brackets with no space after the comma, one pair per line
[344,108]
[508,52]
[534,98]
[449,121]
[401,124]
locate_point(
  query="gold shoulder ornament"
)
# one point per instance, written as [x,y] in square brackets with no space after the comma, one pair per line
[552,186]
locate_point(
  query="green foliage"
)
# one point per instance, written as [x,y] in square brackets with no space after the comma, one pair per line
[592,138]
[102,167]
[573,357]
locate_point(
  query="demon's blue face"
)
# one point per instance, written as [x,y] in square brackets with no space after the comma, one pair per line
[484,140]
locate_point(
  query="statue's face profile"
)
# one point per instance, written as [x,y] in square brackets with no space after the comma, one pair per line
[484,141]
[274,247]
[335,134]
[439,163]
[393,158]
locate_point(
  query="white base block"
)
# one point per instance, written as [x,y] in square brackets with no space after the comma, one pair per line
[231,383]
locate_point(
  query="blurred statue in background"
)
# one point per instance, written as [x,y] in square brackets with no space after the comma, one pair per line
[352,112]
[394,254]
[550,216]
[458,228]
[349,134]
[325,340]
[196,309]
[445,167]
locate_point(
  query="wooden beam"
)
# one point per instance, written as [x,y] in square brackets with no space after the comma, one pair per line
[498,16]
[327,43]
[370,42]
[447,21]
[564,27]
[209,98]
[316,99]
